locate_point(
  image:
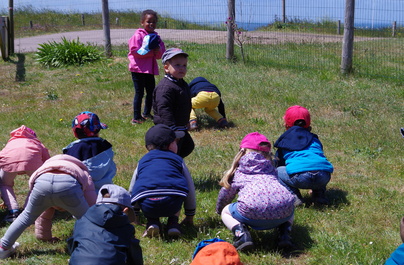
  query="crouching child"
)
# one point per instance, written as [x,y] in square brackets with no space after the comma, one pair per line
[105,235]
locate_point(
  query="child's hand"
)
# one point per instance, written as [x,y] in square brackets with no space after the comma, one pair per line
[188,220]
[131,215]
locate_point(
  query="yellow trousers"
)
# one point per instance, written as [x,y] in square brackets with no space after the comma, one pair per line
[207,101]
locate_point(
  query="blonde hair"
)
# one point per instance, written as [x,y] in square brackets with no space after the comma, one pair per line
[227,178]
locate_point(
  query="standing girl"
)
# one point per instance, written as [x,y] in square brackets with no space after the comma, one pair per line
[262,203]
[145,47]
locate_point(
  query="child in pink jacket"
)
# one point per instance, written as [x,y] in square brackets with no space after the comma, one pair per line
[23,154]
[145,47]
[62,182]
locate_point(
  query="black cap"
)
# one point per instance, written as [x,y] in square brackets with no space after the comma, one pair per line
[161,135]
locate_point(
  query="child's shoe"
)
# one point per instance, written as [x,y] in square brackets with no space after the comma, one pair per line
[298,201]
[12,215]
[319,197]
[173,230]
[284,240]
[137,121]
[152,231]
[223,123]
[5,253]
[147,116]
[193,125]
[242,238]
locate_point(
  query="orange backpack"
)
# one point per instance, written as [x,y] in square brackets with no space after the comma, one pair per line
[216,253]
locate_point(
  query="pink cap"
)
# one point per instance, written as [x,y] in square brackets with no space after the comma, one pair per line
[295,113]
[253,141]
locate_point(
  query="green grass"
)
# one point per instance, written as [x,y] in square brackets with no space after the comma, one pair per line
[357,119]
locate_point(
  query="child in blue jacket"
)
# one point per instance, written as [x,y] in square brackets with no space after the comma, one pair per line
[95,152]
[161,183]
[104,235]
[301,160]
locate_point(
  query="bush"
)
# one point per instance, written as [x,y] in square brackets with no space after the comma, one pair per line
[54,54]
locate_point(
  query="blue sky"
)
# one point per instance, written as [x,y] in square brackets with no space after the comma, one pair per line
[369,12]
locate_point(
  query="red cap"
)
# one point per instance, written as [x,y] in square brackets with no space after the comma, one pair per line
[295,113]
[253,141]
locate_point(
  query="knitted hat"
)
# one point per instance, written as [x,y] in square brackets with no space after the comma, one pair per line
[253,141]
[88,122]
[117,195]
[295,113]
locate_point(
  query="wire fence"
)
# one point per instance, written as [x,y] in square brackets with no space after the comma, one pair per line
[278,28]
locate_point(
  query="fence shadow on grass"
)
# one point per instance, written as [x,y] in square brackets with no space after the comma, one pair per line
[20,67]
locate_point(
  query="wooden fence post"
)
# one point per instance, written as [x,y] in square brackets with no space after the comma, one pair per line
[348,40]
[31,25]
[394,29]
[231,7]
[83,22]
[107,31]
[339,27]
[11,25]
[284,11]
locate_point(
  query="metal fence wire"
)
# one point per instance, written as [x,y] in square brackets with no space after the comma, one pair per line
[275,27]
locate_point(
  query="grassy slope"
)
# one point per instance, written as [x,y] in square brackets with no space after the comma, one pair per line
[357,119]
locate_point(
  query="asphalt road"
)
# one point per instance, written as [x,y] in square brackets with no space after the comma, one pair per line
[121,37]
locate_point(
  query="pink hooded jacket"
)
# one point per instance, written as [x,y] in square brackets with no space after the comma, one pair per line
[146,64]
[61,164]
[23,151]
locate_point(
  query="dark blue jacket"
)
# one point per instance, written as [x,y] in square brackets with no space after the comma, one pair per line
[104,235]
[301,151]
[159,173]
[200,84]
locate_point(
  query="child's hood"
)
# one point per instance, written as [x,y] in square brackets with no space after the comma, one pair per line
[198,80]
[22,132]
[107,215]
[255,163]
[295,138]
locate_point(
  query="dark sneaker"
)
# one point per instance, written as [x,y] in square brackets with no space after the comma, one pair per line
[11,217]
[242,238]
[285,241]
[223,123]
[173,230]
[147,116]
[319,197]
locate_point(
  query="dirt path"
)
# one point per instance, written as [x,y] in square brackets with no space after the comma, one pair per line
[121,36]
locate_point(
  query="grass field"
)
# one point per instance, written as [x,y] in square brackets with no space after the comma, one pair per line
[357,119]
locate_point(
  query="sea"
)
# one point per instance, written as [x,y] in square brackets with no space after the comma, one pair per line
[250,14]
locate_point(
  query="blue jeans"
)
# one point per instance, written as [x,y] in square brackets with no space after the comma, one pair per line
[314,180]
[142,82]
[49,190]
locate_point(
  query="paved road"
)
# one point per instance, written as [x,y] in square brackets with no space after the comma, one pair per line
[121,36]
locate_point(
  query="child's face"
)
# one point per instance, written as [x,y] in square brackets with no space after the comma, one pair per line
[149,23]
[177,67]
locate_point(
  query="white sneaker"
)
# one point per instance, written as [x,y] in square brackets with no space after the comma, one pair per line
[5,253]
[152,231]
